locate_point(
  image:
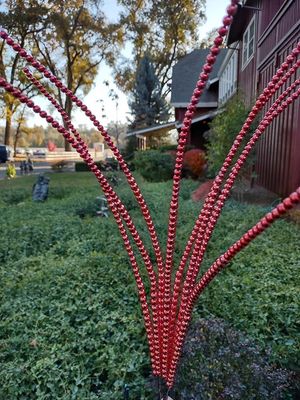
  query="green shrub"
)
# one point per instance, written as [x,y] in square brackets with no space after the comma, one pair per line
[223,130]
[82,166]
[16,196]
[71,324]
[59,166]
[107,165]
[219,362]
[154,165]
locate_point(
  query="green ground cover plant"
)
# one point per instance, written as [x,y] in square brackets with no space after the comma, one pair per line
[70,322]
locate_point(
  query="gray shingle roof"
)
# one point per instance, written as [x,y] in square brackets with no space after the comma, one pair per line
[186,73]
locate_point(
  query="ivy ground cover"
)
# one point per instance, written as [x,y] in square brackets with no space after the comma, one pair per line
[70,323]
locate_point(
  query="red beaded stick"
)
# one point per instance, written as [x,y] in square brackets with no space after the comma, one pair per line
[273,113]
[117,209]
[221,263]
[200,246]
[202,221]
[173,211]
[55,103]
[144,253]
[130,179]
[165,342]
[126,216]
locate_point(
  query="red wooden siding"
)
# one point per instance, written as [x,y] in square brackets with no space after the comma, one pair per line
[283,24]
[278,152]
[247,77]
[268,10]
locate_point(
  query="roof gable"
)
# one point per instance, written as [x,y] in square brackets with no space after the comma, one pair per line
[186,74]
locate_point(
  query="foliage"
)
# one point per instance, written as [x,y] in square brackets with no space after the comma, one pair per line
[22,19]
[107,165]
[223,130]
[118,131]
[219,362]
[77,40]
[130,148]
[294,215]
[165,30]
[11,170]
[59,166]
[70,323]
[208,41]
[154,165]
[194,162]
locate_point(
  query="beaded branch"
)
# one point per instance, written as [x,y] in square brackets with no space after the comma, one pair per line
[168,306]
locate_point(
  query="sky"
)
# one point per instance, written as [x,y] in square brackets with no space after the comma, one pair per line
[215,10]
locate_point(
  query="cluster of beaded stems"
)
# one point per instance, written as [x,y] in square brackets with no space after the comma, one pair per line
[167,308]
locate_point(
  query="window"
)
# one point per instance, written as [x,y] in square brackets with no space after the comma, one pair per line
[248,43]
[228,78]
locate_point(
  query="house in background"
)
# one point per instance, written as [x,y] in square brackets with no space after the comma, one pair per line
[143,135]
[262,34]
[184,79]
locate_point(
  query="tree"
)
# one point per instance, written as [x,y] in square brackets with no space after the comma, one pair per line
[209,38]
[164,29]
[118,131]
[147,105]
[78,39]
[22,19]
[223,130]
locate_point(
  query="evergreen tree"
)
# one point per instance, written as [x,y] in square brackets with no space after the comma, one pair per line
[147,106]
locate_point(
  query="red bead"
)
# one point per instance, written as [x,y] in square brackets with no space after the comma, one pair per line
[204,76]
[222,32]
[227,21]
[207,68]
[29,58]
[3,34]
[218,41]
[215,50]
[210,59]
[231,10]
[36,109]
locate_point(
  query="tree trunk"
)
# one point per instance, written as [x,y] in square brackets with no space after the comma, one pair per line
[68,110]
[7,134]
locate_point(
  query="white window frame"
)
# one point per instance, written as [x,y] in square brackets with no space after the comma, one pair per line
[228,78]
[247,40]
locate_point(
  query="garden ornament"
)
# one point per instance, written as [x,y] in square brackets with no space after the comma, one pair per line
[168,304]
[103,212]
[41,188]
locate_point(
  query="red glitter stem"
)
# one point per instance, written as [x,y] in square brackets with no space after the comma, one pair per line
[173,212]
[117,209]
[201,245]
[221,263]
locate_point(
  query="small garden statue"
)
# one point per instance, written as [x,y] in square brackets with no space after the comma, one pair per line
[40,188]
[11,170]
[103,212]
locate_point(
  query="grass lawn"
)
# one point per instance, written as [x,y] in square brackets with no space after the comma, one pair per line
[70,323]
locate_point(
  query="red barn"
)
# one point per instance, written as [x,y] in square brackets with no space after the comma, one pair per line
[262,34]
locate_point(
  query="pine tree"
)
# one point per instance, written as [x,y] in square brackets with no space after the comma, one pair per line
[148,107]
